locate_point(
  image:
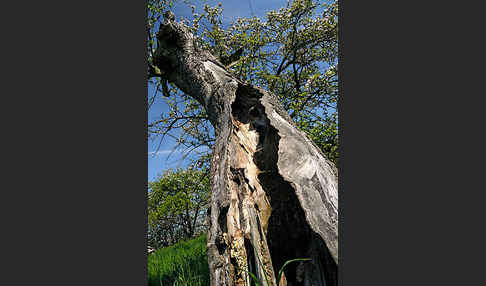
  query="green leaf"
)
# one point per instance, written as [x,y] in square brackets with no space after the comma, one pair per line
[280,272]
[255,279]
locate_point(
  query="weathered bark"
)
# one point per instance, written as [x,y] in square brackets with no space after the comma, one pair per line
[274,194]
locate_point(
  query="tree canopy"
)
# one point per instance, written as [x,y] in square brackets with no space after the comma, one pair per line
[292,53]
[177,202]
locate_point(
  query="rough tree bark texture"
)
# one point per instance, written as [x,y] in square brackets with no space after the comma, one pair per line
[274,194]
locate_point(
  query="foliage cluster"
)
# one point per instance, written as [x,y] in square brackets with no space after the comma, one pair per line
[292,53]
[177,202]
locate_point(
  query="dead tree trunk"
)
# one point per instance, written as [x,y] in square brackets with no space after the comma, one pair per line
[274,194]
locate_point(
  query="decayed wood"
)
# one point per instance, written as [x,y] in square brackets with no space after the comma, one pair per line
[274,194]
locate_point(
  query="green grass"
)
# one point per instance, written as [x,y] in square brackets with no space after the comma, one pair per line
[280,272]
[185,264]
[181,264]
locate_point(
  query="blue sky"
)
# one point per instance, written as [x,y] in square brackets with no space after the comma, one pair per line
[166,157]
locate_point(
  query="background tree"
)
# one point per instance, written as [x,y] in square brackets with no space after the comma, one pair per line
[177,204]
[272,187]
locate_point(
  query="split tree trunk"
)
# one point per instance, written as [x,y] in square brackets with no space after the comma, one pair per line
[274,194]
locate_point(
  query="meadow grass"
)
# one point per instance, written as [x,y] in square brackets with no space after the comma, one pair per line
[182,264]
[185,264]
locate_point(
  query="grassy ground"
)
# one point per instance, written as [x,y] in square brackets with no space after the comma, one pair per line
[181,264]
